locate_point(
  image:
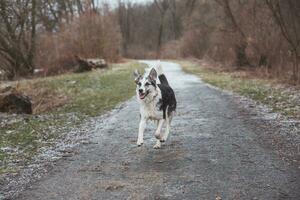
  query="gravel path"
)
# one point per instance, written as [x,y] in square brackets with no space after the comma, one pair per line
[214,151]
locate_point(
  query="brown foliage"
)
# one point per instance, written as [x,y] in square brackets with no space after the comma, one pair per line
[92,35]
[260,35]
[48,34]
[171,50]
[247,33]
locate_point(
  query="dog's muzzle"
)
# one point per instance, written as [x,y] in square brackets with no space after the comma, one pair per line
[143,95]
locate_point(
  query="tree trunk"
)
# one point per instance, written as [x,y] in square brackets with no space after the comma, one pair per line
[263,60]
[32,40]
[241,56]
[159,39]
[296,71]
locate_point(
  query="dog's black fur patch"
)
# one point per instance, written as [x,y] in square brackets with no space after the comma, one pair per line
[168,97]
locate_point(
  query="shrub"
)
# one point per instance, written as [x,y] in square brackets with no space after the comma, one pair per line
[92,35]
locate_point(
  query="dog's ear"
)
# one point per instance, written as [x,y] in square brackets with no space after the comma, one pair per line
[137,76]
[153,75]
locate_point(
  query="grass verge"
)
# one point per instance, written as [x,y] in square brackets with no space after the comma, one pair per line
[61,103]
[283,99]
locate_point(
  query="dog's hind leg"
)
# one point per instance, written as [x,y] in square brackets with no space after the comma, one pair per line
[168,127]
[158,134]
[167,131]
[159,127]
[142,127]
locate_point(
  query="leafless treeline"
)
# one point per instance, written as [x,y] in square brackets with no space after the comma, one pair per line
[49,33]
[259,34]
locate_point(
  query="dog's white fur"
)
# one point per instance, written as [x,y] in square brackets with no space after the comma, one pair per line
[149,110]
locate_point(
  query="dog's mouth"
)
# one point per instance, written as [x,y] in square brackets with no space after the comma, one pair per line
[143,95]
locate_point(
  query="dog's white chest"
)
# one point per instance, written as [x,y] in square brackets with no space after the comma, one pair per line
[151,111]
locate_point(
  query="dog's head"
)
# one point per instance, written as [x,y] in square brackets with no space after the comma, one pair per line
[145,85]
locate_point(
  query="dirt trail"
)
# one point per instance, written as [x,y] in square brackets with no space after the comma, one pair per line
[213,150]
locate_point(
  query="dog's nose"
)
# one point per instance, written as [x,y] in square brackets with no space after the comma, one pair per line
[140,90]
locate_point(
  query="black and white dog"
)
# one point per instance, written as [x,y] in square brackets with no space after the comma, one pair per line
[157,102]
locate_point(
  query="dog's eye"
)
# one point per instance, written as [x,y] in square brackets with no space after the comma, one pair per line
[147,84]
[139,84]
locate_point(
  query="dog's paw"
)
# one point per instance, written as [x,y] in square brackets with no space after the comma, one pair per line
[158,136]
[139,143]
[157,146]
[163,139]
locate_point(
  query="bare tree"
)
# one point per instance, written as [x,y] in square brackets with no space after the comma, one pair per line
[241,45]
[17,36]
[19,19]
[124,18]
[176,19]
[287,15]
[162,6]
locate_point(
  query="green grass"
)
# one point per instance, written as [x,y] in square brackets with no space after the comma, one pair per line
[280,99]
[85,95]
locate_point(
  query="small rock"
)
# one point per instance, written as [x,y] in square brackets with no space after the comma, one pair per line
[218,198]
[114,187]
[9,132]
[73,82]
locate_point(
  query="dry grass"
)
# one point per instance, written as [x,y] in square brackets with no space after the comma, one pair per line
[60,104]
[43,99]
[282,98]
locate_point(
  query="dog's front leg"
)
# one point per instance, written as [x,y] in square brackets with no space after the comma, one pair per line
[142,127]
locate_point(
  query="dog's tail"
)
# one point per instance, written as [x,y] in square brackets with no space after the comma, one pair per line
[162,78]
